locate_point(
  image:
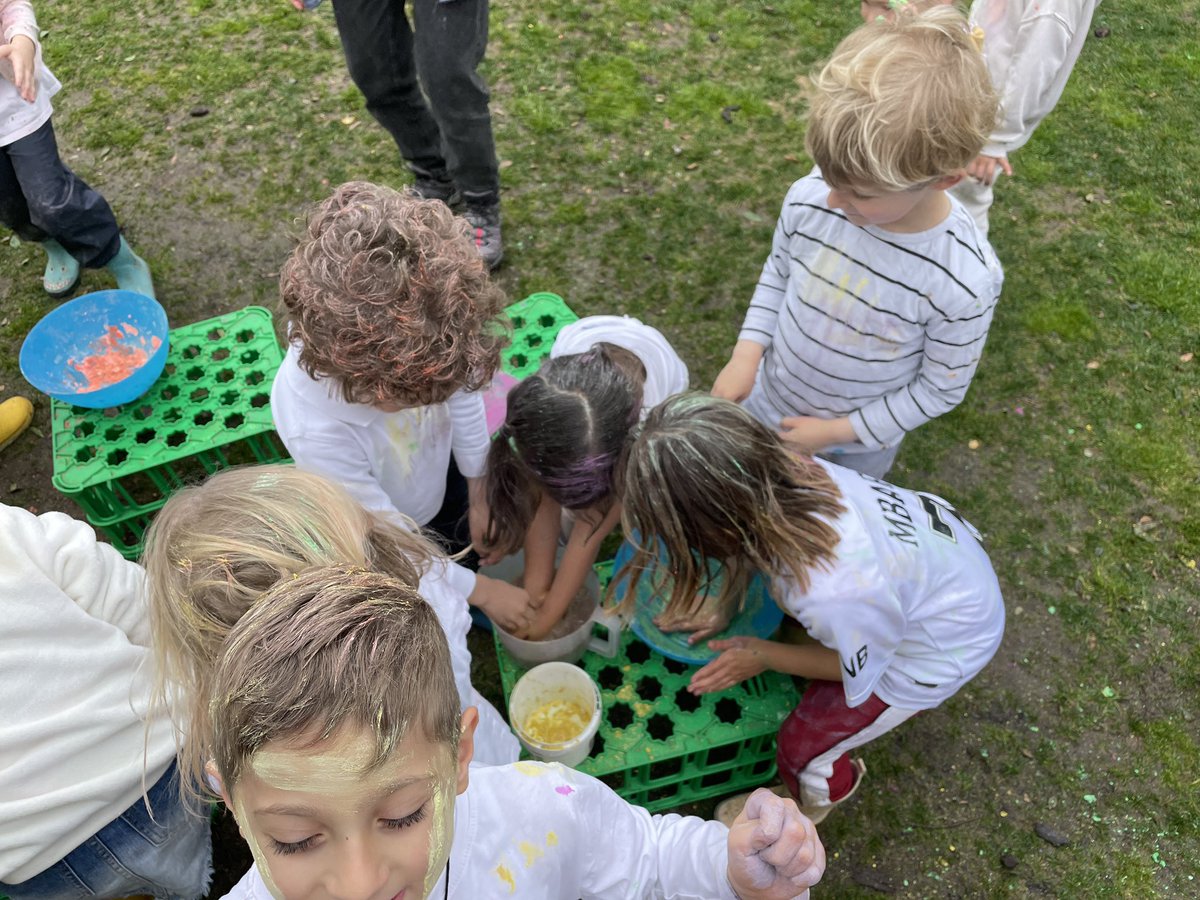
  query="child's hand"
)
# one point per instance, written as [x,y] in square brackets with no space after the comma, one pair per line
[983,168]
[21,52]
[774,850]
[709,619]
[809,434]
[741,658]
[737,378]
[507,605]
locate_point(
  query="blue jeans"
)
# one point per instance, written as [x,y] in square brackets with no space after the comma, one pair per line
[41,198]
[169,855]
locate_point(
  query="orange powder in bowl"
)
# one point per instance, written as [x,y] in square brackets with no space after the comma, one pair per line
[111,359]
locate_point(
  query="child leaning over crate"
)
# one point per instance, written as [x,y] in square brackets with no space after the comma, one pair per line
[89,796]
[892,585]
[393,328]
[872,310]
[40,198]
[561,437]
[214,549]
[338,742]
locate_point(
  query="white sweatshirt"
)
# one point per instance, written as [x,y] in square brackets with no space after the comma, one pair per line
[76,674]
[545,832]
[666,373]
[19,118]
[1030,47]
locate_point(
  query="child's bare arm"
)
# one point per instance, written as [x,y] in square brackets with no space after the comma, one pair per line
[541,547]
[774,850]
[745,657]
[737,378]
[583,546]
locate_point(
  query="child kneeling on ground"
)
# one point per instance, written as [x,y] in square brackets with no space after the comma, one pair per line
[338,742]
[892,585]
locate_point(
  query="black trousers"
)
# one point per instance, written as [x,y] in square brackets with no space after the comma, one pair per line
[420,82]
[41,198]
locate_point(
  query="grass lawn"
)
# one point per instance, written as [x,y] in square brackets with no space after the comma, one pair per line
[646,149]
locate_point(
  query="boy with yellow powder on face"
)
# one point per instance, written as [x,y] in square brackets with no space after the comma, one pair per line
[338,742]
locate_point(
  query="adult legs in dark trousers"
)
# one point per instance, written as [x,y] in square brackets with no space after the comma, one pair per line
[399,65]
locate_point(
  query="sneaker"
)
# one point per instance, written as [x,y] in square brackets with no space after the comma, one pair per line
[15,415]
[485,232]
[428,187]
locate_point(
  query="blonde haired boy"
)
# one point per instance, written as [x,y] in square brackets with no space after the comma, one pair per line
[871,312]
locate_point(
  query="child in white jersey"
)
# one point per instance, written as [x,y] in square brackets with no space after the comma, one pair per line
[892,585]
[337,740]
[394,327]
[564,429]
[872,310]
[1030,47]
[214,549]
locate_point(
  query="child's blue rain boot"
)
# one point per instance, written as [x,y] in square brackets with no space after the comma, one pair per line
[131,271]
[62,270]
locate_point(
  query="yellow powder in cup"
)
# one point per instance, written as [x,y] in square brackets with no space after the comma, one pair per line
[556,721]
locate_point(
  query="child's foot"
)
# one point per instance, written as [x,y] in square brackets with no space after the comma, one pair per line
[15,415]
[62,270]
[728,810]
[428,187]
[131,271]
[485,231]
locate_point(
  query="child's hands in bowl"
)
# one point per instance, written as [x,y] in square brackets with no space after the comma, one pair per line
[707,619]
[774,850]
[505,604]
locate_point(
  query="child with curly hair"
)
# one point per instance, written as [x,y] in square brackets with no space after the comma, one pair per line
[337,740]
[891,585]
[394,327]
[871,313]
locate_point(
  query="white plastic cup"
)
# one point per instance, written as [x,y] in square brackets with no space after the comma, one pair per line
[546,683]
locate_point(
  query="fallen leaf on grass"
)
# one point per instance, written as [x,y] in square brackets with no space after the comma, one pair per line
[973,444]
[1186,357]
[1093,364]
[1143,526]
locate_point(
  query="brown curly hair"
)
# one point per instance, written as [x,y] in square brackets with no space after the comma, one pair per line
[386,295]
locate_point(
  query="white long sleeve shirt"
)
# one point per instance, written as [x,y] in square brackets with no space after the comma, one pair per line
[544,832]
[76,675]
[882,327]
[19,118]
[1030,47]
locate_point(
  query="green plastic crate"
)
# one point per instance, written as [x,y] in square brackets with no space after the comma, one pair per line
[659,746]
[210,409]
[536,321]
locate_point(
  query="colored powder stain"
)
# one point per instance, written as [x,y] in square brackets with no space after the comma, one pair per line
[531,852]
[111,361]
[551,839]
[529,769]
[565,789]
[507,877]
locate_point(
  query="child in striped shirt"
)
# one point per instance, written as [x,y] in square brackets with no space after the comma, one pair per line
[871,312]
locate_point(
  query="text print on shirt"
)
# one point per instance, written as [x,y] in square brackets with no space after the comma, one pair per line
[900,523]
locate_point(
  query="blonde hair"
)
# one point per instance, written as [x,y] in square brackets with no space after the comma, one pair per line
[331,649]
[901,103]
[215,548]
[386,294]
[709,482]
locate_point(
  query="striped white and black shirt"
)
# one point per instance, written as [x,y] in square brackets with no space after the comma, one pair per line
[886,328]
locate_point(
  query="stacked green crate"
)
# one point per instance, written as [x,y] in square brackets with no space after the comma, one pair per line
[210,409]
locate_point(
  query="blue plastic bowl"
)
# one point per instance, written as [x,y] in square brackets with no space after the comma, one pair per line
[759,616]
[76,329]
